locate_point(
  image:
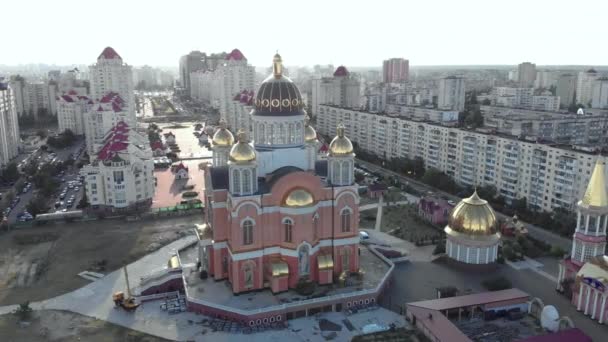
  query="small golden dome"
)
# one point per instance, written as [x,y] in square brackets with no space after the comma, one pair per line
[222,136]
[299,198]
[310,135]
[242,152]
[473,216]
[340,145]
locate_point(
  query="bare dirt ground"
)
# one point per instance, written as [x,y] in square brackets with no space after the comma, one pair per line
[62,326]
[44,261]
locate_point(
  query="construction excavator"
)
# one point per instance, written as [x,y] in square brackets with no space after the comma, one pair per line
[127,303]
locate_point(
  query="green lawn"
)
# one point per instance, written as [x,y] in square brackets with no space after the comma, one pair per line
[402,221]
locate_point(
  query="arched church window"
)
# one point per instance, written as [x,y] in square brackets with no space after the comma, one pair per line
[262,133]
[248,269]
[236,181]
[345,171]
[345,217]
[271,134]
[315,226]
[282,133]
[298,132]
[292,133]
[335,172]
[247,232]
[288,228]
[246,182]
[346,259]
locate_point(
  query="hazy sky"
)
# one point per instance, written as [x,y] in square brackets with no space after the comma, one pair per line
[308,32]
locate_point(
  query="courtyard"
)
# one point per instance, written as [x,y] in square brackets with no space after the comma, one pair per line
[190,147]
[170,191]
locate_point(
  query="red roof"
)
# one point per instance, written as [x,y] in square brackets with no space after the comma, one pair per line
[72,92]
[236,55]
[100,109]
[67,98]
[341,71]
[155,145]
[323,148]
[180,166]
[109,53]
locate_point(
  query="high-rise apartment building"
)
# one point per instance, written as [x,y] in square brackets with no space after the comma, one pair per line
[526,74]
[600,93]
[103,115]
[342,90]
[111,74]
[566,88]
[548,175]
[584,86]
[219,87]
[9,128]
[33,98]
[395,70]
[451,93]
[71,109]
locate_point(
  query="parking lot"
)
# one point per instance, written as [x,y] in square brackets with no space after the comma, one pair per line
[17,210]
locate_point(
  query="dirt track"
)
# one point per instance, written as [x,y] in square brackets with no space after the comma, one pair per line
[66,326]
[36,269]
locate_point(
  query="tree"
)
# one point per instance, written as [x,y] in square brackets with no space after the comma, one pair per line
[24,311]
[487,192]
[10,173]
[520,205]
[84,201]
[486,102]
[37,205]
[497,284]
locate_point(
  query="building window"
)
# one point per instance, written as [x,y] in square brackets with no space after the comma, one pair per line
[248,275]
[315,226]
[335,172]
[236,181]
[119,177]
[345,174]
[288,227]
[345,220]
[246,181]
[247,232]
[345,259]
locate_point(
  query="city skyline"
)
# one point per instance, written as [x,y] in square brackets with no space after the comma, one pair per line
[466,29]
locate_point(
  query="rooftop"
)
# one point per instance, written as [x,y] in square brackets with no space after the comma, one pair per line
[220,292]
[471,300]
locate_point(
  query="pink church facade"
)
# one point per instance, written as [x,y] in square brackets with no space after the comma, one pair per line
[257,234]
[279,215]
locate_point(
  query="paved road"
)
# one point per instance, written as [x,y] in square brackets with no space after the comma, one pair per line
[535,231]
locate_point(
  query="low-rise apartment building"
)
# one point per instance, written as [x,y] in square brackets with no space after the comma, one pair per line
[548,175]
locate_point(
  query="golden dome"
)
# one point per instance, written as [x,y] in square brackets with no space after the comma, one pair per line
[595,195]
[242,152]
[340,145]
[310,135]
[473,216]
[299,198]
[222,136]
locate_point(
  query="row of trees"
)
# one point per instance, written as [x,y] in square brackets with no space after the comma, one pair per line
[62,140]
[560,220]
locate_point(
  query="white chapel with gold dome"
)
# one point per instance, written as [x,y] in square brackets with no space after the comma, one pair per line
[471,233]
